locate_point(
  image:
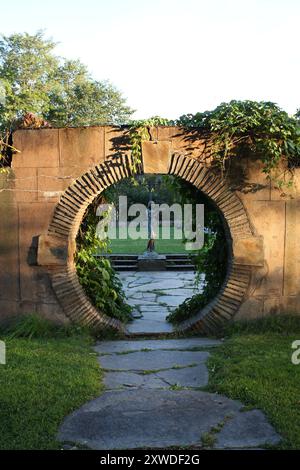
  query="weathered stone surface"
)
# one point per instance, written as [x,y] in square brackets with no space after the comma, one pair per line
[52,182]
[292,251]
[52,251]
[268,218]
[116,141]
[156,294]
[9,263]
[249,251]
[190,377]
[150,419]
[247,429]
[253,184]
[150,326]
[34,280]
[117,380]
[184,344]
[147,409]
[25,183]
[152,360]
[50,159]
[38,148]
[81,146]
[156,156]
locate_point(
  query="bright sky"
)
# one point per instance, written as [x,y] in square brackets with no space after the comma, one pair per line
[171,57]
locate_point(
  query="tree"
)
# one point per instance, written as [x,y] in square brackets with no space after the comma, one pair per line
[61,91]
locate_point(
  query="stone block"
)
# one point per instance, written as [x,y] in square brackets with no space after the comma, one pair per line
[252,184]
[25,184]
[8,311]
[117,142]
[156,156]
[249,251]
[52,251]
[52,182]
[268,219]
[38,148]
[81,147]
[34,219]
[291,187]
[9,257]
[250,309]
[292,249]
[189,142]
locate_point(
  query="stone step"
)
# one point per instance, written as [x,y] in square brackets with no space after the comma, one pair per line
[125,267]
[121,261]
[180,267]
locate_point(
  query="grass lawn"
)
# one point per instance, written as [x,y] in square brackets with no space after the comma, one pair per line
[43,381]
[138,247]
[256,368]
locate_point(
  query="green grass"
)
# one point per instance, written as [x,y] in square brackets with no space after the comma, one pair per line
[139,246]
[46,377]
[254,366]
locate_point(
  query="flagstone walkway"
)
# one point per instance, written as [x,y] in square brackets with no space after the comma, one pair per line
[154,398]
[154,294]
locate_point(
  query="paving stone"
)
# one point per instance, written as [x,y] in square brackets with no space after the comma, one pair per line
[188,377]
[146,413]
[184,292]
[153,360]
[247,429]
[146,290]
[145,326]
[140,418]
[185,344]
[115,380]
[171,300]
[160,284]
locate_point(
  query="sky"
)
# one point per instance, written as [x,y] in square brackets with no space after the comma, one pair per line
[172,57]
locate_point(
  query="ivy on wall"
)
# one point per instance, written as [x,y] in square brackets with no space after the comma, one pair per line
[239,127]
[233,129]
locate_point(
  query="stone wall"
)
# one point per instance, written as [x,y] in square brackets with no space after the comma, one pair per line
[50,160]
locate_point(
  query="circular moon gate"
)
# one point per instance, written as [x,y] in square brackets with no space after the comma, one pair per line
[71,209]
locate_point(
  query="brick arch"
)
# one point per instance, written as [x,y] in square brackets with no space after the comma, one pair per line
[71,209]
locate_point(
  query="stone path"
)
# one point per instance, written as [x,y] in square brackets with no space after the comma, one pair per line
[153,399]
[153,295]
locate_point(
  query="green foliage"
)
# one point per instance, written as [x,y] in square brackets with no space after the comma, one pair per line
[210,260]
[237,127]
[139,188]
[32,326]
[96,274]
[281,324]
[139,130]
[36,81]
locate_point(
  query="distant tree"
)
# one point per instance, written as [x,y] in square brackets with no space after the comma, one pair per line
[36,81]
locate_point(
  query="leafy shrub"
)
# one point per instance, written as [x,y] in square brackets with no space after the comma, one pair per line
[96,274]
[210,260]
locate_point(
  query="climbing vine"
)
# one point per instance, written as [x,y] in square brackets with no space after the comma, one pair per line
[139,131]
[251,127]
[234,129]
